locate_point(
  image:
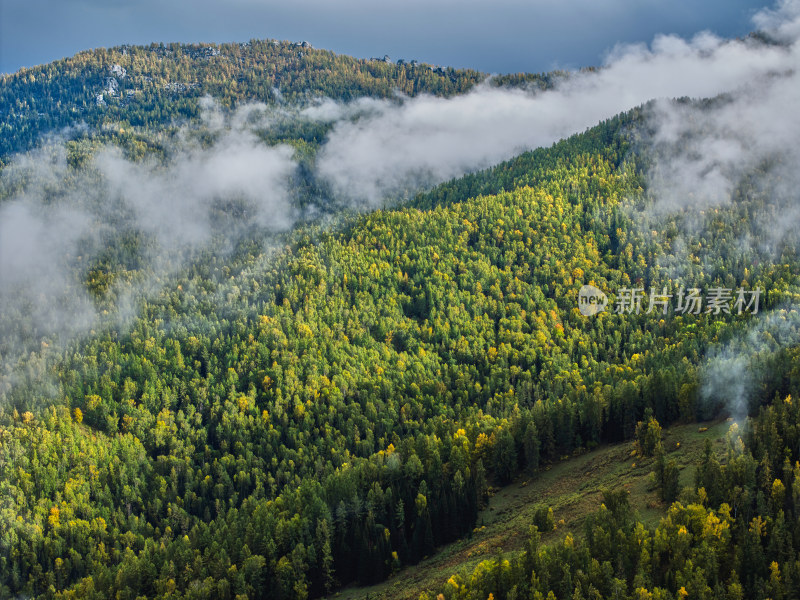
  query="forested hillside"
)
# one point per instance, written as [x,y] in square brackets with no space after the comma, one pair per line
[269,393]
[733,533]
[158,85]
[285,423]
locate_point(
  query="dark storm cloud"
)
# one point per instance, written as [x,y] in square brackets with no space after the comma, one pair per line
[504,36]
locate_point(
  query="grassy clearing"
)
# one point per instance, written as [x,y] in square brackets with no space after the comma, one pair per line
[572,488]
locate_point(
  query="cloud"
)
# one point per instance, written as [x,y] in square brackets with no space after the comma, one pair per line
[38,298]
[56,222]
[703,151]
[735,374]
[176,203]
[428,139]
[326,110]
[781,22]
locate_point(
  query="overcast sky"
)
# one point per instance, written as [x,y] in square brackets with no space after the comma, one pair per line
[501,36]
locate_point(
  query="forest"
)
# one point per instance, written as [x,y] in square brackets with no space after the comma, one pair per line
[153,86]
[326,406]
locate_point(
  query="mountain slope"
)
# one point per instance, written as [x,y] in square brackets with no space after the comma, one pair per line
[152,86]
[572,488]
[298,422]
[286,414]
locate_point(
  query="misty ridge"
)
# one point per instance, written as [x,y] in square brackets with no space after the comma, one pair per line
[217,181]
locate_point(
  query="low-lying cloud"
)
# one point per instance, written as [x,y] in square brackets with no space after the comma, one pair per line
[735,375]
[57,221]
[175,203]
[429,139]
